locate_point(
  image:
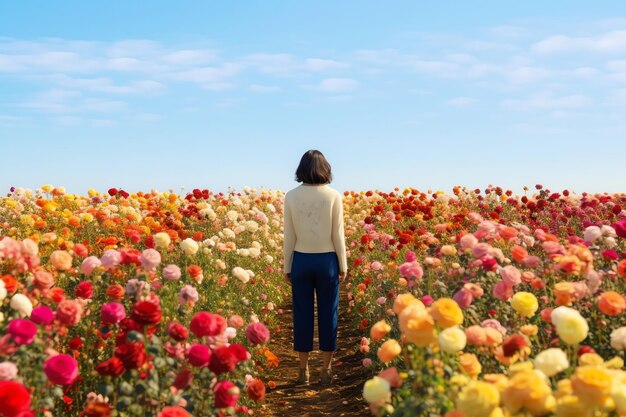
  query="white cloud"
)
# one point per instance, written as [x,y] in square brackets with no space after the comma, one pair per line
[335,85]
[148,117]
[547,101]
[316,64]
[461,101]
[609,42]
[523,75]
[208,75]
[190,56]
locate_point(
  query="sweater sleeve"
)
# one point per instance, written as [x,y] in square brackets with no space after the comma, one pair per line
[338,234]
[289,239]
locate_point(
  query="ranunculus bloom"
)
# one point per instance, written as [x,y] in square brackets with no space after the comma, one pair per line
[132,354]
[61,260]
[80,250]
[551,361]
[150,259]
[389,350]
[111,367]
[611,303]
[22,331]
[478,399]
[183,379]
[84,290]
[199,355]
[376,390]
[524,303]
[235,321]
[89,264]
[69,312]
[463,298]
[112,313]
[14,399]
[241,274]
[111,258]
[189,246]
[42,315]
[502,290]
[226,394]
[514,344]
[22,304]
[207,324]
[411,270]
[256,390]
[592,384]
[470,364]
[8,371]
[446,312]
[452,339]
[379,330]
[188,295]
[222,360]
[115,292]
[173,411]
[571,327]
[177,331]
[620,228]
[44,280]
[511,275]
[257,333]
[61,369]
[162,240]
[147,312]
[171,272]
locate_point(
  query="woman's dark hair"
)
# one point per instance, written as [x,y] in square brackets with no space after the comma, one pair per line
[314,168]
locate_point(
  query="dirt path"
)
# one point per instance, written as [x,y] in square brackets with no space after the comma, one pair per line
[343,398]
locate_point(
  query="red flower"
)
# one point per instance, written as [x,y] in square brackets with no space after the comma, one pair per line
[199,355]
[513,344]
[132,354]
[222,360]
[194,270]
[76,343]
[130,256]
[207,324]
[115,292]
[177,331]
[173,411]
[84,290]
[256,390]
[112,192]
[183,379]
[95,409]
[620,228]
[239,351]
[14,399]
[226,394]
[111,367]
[585,349]
[146,312]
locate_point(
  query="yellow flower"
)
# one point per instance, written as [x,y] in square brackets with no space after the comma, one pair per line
[570,325]
[446,312]
[524,303]
[452,339]
[402,301]
[162,240]
[478,399]
[529,329]
[590,359]
[46,188]
[551,361]
[592,384]
[448,250]
[570,406]
[376,389]
[417,326]
[470,364]
[529,391]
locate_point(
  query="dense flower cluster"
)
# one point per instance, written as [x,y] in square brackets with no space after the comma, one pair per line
[146,303]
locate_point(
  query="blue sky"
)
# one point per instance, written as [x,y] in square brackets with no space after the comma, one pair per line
[143,95]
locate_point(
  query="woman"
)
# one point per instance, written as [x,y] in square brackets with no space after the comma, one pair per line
[315,259]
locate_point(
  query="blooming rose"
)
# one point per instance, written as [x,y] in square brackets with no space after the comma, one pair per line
[226,394]
[222,360]
[112,313]
[111,367]
[61,369]
[69,312]
[551,361]
[22,331]
[207,324]
[257,333]
[42,315]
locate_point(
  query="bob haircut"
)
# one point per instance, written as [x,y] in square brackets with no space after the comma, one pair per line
[314,168]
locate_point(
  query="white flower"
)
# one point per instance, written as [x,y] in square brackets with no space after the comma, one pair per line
[608,231]
[189,246]
[452,339]
[241,274]
[232,215]
[618,338]
[570,325]
[252,226]
[376,390]
[22,305]
[551,361]
[162,240]
[592,233]
[3,290]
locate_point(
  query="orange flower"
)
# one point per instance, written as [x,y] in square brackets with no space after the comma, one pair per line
[379,330]
[621,269]
[10,283]
[61,260]
[470,364]
[518,253]
[611,303]
[446,312]
[564,293]
[271,359]
[389,350]
[508,232]
[271,384]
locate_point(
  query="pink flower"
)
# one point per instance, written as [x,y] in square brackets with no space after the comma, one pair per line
[479,250]
[376,266]
[22,331]
[89,264]
[427,300]
[494,324]
[620,228]
[61,369]
[84,290]
[463,298]
[80,250]
[511,275]
[410,256]
[367,362]
[532,262]
[187,294]
[42,315]
[150,259]
[8,371]
[257,333]
[411,270]
[171,272]
[503,291]
[112,313]
[468,241]
[476,335]
[69,312]
[381,300]
[111,258]
[226,394]
[552,247]
[474,289]
[199,355]
[44,280]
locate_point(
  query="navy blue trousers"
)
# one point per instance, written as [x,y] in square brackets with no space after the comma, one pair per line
[315,273]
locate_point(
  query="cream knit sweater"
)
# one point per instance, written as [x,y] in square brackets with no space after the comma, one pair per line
[313,223]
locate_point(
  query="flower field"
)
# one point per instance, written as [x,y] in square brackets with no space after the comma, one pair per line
[475,303]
